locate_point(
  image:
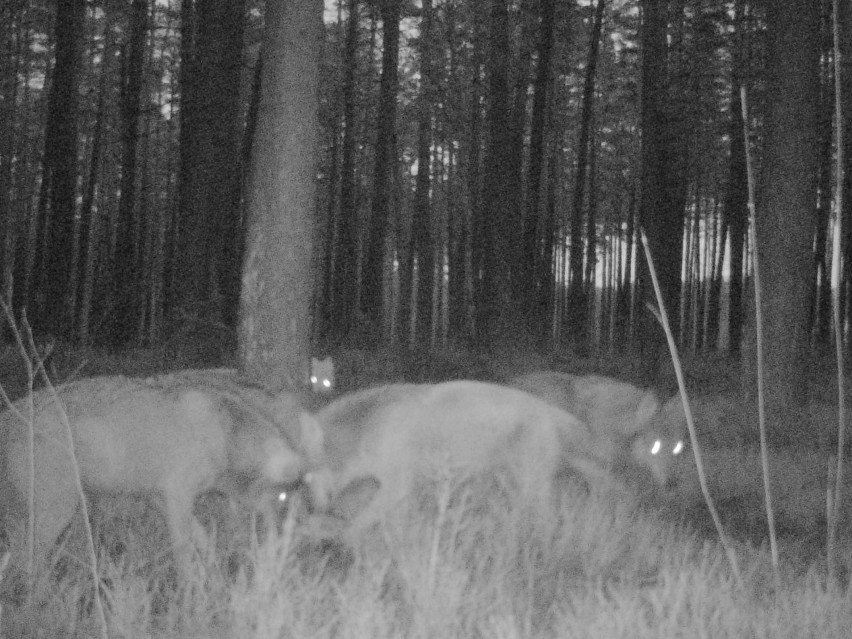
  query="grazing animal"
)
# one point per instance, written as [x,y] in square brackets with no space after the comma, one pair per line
[632,430]
[173,437]
[399,433]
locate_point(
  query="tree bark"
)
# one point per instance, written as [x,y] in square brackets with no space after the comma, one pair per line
[735,210]
[498,310]
[820,306]
[127,261]
[422,246]
[537,301]
[372,302]
[578,299]
[204,271]
[661,212]
[845,13]
[54,263]
[786,201]
[275,329]
[343,261]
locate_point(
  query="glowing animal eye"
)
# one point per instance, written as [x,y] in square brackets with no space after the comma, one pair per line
[313,379]
[656,447]
[678,448]
[326,383]
[282,497]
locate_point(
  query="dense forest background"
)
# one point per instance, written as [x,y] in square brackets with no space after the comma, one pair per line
[484,172]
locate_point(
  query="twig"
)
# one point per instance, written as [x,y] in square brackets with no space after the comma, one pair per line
[758,323]
[834,515]
[663,319]
[29,420]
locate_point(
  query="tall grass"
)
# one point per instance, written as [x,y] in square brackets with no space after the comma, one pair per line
[474,564]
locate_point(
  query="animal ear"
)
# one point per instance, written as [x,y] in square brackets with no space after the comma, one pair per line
[648,407]
[354,497]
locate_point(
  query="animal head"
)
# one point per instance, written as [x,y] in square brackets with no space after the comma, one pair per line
[322,375]
[272,443]
[660,440]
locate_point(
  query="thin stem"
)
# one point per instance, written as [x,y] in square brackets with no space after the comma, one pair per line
[663,318]
[758,324]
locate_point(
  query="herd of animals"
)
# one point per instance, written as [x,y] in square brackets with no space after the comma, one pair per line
[177,436]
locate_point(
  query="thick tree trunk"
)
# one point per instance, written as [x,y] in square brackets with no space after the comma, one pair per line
[845,12]
[478,237]
[54,263]
[464,67]
[536,301]
[278,281]
[372,298]
[127,263]
[578,284]
[661,205]
[714,294]
[90,223]
[13,59]
[735,210]
[820,306]
[343,262]
[205,269]
[498,312]
[421,248]
[786,201]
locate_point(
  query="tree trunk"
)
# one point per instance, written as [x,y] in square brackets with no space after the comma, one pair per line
[13,59]
[344,259]
[578,300]
[820,307]
[422,246]
[277,279]
[661,209]
[536,301]
[735,210]
[127,263]
[372,302]
[845,13]
[498,312]
[205,279]
[591,219]
[714,294]
[479,238]
[785,223]
[90,218]
[54,263]
[624,303]
[462,214]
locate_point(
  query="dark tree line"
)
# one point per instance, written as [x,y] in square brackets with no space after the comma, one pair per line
[484,170]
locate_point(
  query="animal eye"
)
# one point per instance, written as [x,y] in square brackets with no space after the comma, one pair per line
[282,497]
[678,448]
[326,383]
[313,379]
[656,447]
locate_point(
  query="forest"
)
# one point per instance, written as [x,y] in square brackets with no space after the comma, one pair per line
[483,175]
[504,198]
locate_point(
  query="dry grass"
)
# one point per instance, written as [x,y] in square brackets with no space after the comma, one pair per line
[464,564]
